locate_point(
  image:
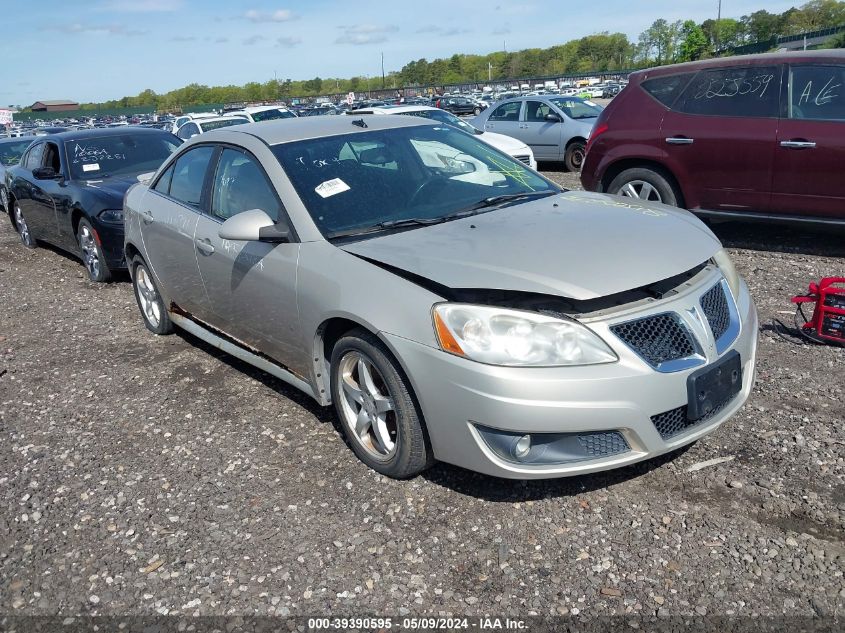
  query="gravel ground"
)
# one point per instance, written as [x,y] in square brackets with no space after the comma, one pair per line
[153,475]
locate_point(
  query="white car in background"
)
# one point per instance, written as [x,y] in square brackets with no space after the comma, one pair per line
[509,145]
[201,126]
[191,116]
[256,114]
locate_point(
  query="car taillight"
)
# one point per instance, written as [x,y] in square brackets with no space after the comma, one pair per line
[597,131]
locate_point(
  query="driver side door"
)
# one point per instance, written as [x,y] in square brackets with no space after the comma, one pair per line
[541,135]
[251,285]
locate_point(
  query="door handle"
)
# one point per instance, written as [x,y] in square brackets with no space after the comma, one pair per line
[204,246]
[795,144]
[680,140]
[146,217]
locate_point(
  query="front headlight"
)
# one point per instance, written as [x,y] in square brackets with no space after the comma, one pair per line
[723,261]
[112,216]
[500,336]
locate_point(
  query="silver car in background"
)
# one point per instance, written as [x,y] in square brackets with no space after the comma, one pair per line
[556,128]
[451,303]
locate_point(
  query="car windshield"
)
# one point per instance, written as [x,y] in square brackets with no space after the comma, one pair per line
[118,154]
[444,117]
[10,153]
[207,126]
[411,176]
[267,115]
[577,109]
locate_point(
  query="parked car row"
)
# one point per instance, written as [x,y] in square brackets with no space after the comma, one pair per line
[449,301]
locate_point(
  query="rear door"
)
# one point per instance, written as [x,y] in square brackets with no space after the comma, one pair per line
[251,285]
[810,151]
[542,136]
[504,119]
[168,213]
[719,137]
[27,192]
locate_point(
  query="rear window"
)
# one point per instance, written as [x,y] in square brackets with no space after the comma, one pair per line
[734,92]
[268,115]
[666,89]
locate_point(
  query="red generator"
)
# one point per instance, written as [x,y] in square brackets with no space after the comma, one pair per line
[827,324]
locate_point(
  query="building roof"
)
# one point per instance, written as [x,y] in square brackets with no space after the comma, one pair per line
[56,102]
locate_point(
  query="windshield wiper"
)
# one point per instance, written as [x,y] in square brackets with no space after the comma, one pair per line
[495,201]
[387,225]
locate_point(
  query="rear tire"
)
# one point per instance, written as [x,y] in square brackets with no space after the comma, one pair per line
[92,254]
[150,303]
[27,239]
[574,156]
[644,184]
[377,410]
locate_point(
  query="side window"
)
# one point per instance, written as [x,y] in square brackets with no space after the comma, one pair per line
[666,89]
[735,92]
[816,92]
[187,131]
[240,185]
[536,111]
[33,158]
[51,157]
[163,184]
[189,175]
[506,112]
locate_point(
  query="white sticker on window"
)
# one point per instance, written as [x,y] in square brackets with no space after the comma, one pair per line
[331,188]
[592,103]
[91,167]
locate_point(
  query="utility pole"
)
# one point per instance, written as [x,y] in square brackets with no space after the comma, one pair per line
[718,24]
[382,70]
[489,71]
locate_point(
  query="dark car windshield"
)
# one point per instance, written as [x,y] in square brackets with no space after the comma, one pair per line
[11,152]
[207,126]
[267,115]
[576,108]
[415,175]
[444,117]
[118,154]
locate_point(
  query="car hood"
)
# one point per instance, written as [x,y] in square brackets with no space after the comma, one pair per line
[506,144]
[576,245]
[112,188]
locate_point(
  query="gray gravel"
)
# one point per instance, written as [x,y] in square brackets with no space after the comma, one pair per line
[145,475]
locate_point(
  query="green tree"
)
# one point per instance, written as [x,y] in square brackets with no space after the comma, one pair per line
[694,43]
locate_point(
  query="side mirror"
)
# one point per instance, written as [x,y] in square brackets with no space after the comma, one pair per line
[45,173]
[253,226]
[551,116]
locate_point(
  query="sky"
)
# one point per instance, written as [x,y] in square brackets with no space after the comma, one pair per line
[97,50]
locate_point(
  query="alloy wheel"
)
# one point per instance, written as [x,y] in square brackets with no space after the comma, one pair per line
[367,406]
[90,253]
[147,296]
[641,190]
[23,229]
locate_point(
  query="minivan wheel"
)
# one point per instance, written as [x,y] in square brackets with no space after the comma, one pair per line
[379,415]
[644,184]
[574,156]
[152,307]
[23,229]
[477,111]
[92,254]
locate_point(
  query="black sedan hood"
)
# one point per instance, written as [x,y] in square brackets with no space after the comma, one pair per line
[110,190]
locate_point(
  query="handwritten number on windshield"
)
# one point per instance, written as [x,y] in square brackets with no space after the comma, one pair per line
[728,87]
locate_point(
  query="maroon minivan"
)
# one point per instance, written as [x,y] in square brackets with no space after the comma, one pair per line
[761,136]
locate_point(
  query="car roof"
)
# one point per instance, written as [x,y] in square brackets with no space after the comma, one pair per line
[16,139]
[391,109]
[778,57]
[218,118]
[252,109]
[75,135]
[538,98]
[296,129]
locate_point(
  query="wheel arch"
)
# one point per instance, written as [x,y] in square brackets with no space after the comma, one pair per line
[614,169]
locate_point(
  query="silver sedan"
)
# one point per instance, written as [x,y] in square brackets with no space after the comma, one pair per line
[451,303]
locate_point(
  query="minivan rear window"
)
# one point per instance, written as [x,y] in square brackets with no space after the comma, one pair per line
[666,89]
[753,91]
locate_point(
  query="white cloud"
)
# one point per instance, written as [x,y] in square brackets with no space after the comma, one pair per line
[280,15]
[142,6]
[289,42]
[362,34]
[254,40]
[75,28]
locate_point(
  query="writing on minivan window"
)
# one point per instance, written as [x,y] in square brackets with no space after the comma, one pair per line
[93,154]
[740,85]
[822,96]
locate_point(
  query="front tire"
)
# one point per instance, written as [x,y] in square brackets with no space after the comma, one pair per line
[574,156]
[377,410]
[92,253]
[27,239]
[150,303]
[645,184]
[477,111]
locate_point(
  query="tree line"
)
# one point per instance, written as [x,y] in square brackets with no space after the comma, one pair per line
[661,43]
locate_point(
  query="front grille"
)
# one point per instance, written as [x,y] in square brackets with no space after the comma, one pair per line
[524,159]
[658,339]
[670,423]
[715,306]
[603,444]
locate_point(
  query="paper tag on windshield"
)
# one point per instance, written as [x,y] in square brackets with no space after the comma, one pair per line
[91,167]
[588,102]
[331,188]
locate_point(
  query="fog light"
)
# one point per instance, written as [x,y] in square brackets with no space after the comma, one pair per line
[522,447]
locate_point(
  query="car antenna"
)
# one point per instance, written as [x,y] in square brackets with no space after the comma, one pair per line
[360,123]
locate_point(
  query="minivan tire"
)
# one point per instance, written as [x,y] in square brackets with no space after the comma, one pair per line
[149,298]
[637,176]
[411,453]
[574,156]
